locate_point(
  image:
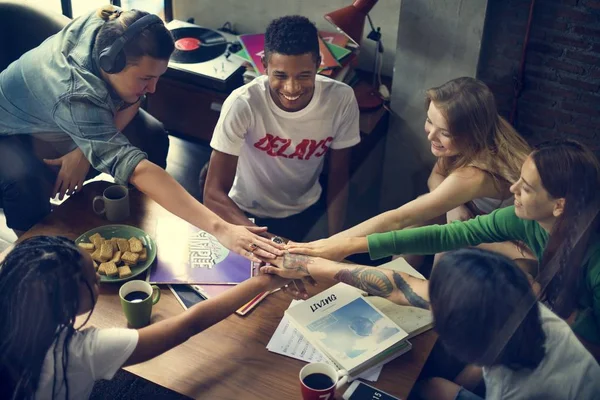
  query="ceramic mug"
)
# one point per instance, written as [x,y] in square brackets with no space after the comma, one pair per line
[115,203]
[137,298]
[319,381]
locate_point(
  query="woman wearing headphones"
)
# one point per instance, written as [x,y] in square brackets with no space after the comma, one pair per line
[78,94]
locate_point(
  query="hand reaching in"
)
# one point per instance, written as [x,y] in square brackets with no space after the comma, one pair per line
[74,168]
[334,249]
[245,240]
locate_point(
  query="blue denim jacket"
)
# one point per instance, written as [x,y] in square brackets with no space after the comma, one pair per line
[57,88]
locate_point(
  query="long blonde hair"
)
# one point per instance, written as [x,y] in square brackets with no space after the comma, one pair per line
[484,139]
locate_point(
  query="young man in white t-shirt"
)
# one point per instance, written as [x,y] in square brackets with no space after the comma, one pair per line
[272,137]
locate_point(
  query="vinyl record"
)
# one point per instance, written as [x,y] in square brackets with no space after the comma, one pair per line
[196,45]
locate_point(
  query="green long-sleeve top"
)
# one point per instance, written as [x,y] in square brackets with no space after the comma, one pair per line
[500,226]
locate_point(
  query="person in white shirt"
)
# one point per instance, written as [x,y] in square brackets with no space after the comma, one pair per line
[487,314]
[45,283]
[273,135]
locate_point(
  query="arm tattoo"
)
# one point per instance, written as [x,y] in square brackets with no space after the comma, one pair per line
[377,283]
[368,279]
[412,298]
[297,262]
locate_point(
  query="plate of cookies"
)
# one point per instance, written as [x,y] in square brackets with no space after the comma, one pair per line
[120,252]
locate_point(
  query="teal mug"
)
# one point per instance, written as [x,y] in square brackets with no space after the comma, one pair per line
[137,298]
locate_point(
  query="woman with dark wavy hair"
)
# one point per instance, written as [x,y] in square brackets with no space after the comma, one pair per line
[486,314]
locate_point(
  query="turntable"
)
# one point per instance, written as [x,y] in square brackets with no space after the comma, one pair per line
[199,57]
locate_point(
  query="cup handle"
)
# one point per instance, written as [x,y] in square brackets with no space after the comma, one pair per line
[97,200]
[342,378]
[155,294]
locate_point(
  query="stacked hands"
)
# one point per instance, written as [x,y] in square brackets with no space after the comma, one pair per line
[276,258]
[294,262]
[294,269]
[287,262]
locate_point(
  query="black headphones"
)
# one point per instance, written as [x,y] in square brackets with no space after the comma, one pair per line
[112,59]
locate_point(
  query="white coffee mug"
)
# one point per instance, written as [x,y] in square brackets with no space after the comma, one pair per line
[115,203]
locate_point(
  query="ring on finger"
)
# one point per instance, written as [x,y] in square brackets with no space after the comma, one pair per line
[253,246]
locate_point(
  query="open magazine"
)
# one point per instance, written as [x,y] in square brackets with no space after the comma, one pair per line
[343,325]
[186,254]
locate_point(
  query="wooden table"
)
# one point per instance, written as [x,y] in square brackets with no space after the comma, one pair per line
[230,359]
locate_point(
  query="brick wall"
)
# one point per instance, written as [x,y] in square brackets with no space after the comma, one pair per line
[561,85]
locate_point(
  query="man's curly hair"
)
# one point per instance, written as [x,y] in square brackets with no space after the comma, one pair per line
[292,36]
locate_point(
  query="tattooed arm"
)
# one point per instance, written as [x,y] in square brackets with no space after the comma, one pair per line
[397,287]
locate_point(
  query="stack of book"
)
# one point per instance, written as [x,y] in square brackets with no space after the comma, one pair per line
[356,336]
[336,56]
[348,330]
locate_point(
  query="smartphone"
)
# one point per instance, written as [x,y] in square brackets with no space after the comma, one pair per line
[361,391]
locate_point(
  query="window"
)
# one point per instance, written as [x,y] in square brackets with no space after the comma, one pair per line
[48,5]
[75,8]
[152,6]
[81,7]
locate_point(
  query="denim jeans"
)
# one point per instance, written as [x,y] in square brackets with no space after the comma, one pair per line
[26,182]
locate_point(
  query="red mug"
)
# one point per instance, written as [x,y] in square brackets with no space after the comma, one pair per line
[319,381]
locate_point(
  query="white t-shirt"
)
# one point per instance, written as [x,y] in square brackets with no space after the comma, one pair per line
[94,354]
[568,371]
[281,153]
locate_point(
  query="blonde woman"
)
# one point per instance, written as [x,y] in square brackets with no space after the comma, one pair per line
[478,154]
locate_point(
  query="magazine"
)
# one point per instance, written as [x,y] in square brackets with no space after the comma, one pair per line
[412,319]
[342,324]
[254,46]
[186,254]
[289,342]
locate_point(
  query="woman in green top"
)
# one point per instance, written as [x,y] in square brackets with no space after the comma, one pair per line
[556,202]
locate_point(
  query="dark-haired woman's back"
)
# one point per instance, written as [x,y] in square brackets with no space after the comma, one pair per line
[568,371]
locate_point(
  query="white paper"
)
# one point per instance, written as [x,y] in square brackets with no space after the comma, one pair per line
[288,341]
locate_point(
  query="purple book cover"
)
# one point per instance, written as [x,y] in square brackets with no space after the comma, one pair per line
[186,254]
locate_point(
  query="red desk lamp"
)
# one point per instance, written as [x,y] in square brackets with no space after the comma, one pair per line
[350,21]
